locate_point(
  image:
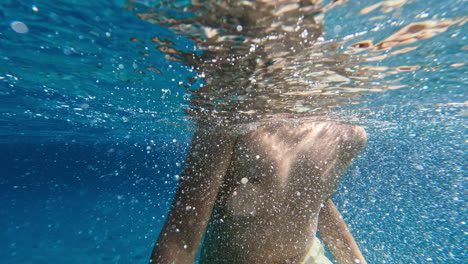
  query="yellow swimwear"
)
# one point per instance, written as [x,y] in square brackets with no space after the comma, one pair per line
[316,254]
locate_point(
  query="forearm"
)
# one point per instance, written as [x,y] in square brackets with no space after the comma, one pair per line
[170,252]
[336,236]
[177,243]
[183,231]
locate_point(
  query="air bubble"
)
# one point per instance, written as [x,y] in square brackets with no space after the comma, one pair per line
[337,29]
[19,27]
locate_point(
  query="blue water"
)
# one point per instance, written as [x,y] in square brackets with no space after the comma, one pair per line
[91,140]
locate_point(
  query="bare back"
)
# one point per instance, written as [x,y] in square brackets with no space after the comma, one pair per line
[279,177]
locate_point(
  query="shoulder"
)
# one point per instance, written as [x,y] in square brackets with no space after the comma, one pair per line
[306,130]
[344,138]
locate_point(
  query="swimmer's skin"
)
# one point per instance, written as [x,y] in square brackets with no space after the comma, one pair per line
[336,236]
[267,193]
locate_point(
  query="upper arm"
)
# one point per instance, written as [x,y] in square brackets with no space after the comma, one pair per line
[204,172]
[335,234]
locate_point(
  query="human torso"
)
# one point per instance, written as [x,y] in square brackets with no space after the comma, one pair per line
[280,174]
